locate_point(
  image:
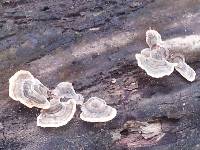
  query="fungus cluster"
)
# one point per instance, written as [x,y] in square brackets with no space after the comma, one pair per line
[23,87]
[161,58]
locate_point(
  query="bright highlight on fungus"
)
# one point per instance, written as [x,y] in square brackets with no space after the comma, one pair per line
[96,110]
[162,57]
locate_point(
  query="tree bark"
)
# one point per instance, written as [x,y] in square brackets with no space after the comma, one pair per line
[92,43]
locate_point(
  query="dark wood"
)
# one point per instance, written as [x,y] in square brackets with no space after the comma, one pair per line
[89,43]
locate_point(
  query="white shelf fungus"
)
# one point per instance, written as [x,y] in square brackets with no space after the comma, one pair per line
[28,90]
[153,38]
[31,92]
[59,113]
[66,90]
[159,60]
[153,67]
[184,69]
[96,110]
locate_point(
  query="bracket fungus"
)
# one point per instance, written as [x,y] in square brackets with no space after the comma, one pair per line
[153,38]
[154,67]
[96,110]
[161,58]
[28,90]
[59,113]
[31,92]
[66,90]
[184,69]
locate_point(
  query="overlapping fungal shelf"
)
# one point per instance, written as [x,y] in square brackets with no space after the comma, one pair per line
[163,57]
[23,87]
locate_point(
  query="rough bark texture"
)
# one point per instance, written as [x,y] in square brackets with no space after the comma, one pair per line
[90,42]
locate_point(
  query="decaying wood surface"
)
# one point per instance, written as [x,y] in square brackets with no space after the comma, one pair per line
[92,44]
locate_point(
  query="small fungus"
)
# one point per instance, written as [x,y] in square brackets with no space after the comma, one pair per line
[28,90]
[59,113]
[153,38]
[66,90]
[96,110]
[184,69]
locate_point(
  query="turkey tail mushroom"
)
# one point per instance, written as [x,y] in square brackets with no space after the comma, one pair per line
[163,56]
[184,69]
[23,87]
[59,113]
[66,90]
[96,110]
[153,67]
[153,38]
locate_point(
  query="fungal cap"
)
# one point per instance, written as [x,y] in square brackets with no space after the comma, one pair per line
[35,94]
[29,91]
[66,90]
[96,110]
[16,80]
[153,38]
[153,67]
[184,69]
[59,113]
